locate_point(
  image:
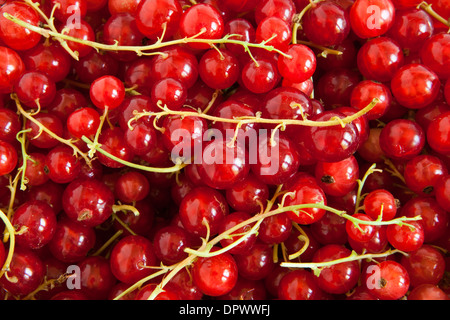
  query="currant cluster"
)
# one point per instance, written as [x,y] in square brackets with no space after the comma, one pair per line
[224,150]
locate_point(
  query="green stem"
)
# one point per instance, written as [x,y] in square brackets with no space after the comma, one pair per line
[318,266]
[175,168]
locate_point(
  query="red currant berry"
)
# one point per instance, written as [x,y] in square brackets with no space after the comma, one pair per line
[408,237]
[415,86]
[107,92]
[360,232]
[402,139]
[131,258]
[39,222]
[25,274]
[12,34]
[387,280]
[219,69]
[8,158]
[338,278]
[201,206]
[319,23]
[203,19]
[437,135]
[154,16]
[380,202]
[216,275]
[88,202]
[300,65]
[72,241]
[370,19]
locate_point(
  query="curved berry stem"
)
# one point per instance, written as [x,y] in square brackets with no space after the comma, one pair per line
[98,148]
[11,231]
[43,128]
[428,9]
[317,267]
[50,22]
[144,50]
[256,119]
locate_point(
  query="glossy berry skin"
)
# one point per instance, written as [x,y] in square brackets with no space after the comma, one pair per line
[131,187]
[35,85]
[306,192]
[299,285]
[326,24]
[388,280]
[257,263]
[274,27]
[438,137]
[219,70]
[96,277]
[43,139]
[80,30]
[10,125]
[338,278]
[415,86]
[301,66]
[168,92]
[244,30]
[83,122]
[72,241]
[436,55]
[442,192]
[427,292]
[39,219]
[231,221]
[279,8]
[274,164]
[422,172]
[88,202]
[425,265]
[261,77]
[331,143]
[402,139]
[169,243]
[215,275]
[378,202]
[364,93]
[179,63]
[406,238]
[152,14]
[13,35]
[203,203]
[131,257]
[200,16]
[379,58]
[50,59]
[411,28]
[248,195]
[35,170]
[222,165]
[368,231]
[9,158]
[113,141]
[370,19]
[167,294]
[29,270]
[11,70]
[122,28]
[62,165]
[337,178]
[107,92]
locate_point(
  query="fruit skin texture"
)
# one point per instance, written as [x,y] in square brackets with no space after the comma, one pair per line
[387,281]
[216,275]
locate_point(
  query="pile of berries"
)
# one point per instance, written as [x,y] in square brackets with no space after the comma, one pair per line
[224,150]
